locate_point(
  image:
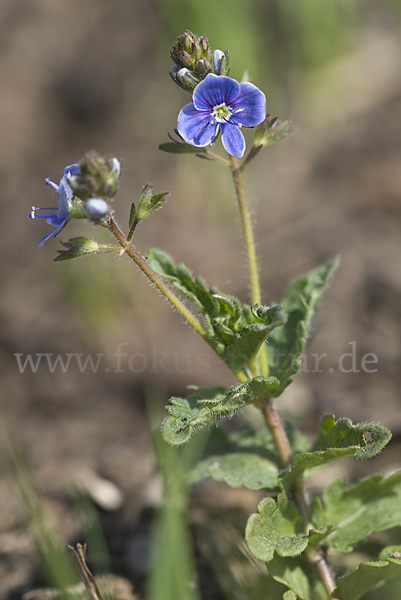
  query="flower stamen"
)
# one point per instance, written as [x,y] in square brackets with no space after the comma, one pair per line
[222,113]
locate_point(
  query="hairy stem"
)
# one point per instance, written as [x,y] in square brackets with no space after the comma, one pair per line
[278,432]
[249,241]
[159,283]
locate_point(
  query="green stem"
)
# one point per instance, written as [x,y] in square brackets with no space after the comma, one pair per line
[159,283]
[250,156]
[247,230]
[217,157]
[249,241]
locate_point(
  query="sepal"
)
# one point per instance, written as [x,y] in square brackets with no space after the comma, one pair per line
[272,130]
[149,202]
[79,246]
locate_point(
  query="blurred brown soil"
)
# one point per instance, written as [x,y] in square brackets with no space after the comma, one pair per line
[81,75]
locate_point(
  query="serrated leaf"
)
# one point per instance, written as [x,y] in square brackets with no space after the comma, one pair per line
[240,330]
[180,148]
[248,470]
[336,440]
[285,344]
[299,576]
[200,409]
[247,342]
[369,437]
[182,279]
[359,580]
[274,528]
[373,504]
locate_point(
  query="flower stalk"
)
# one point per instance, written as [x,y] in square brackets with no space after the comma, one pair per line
[159,283]
[250,248]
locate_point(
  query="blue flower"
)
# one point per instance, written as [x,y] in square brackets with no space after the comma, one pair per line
[62,215]
[221,104]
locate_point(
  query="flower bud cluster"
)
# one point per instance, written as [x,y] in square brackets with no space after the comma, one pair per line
[96,182]
[193,60]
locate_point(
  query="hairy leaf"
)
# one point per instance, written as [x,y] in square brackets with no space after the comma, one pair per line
[207,406]
[373,504]
[299,576]
[285,344]
[336,440]
[248,470]
[274,528]
[180,148]
[239,330]
[356,582]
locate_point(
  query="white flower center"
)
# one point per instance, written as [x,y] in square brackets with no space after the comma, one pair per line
[222,113]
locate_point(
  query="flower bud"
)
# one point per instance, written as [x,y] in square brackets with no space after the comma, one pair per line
[96,208]
[193,54]
[202,68]
[98,177]
[220,62]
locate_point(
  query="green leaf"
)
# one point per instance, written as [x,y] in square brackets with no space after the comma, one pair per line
[247,342]
[299,576]
[289,595]
[240,330]
[369,437]
[207,406]
[182,279]
[373,504]
[180,148]
[336,440]
[248,470]
[285,344]
[359,580]
[274,528]
[246,457]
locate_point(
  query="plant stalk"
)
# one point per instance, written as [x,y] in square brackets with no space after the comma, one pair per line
[249,240]
[250,248]
[159,283]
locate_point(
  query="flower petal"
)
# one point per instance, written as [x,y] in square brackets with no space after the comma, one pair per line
[215,90]
[233,139]
[52,233]
[65,196]
[195,127]
[250,106]
[71,170]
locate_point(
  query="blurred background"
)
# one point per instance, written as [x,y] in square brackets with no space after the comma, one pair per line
[77,75]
